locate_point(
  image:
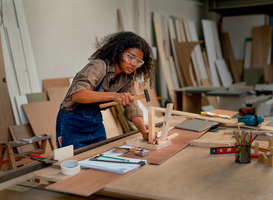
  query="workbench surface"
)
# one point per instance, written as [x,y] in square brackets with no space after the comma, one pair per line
[192,173]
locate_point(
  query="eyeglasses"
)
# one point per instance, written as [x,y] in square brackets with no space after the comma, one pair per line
[129,58]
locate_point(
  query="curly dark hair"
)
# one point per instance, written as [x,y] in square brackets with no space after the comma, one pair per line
[112,47]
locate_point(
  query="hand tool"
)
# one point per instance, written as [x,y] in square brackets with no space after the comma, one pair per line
[251,120]
[142,96]
[142,152]
[114,161]
[123,149]
[37,158]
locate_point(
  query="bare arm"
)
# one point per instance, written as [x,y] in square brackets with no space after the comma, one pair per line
[87,96]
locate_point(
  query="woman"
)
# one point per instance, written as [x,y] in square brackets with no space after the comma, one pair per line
[109,76]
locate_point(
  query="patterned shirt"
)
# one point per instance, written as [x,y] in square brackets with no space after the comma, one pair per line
[92,75]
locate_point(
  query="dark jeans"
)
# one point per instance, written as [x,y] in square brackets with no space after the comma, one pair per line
[81,126]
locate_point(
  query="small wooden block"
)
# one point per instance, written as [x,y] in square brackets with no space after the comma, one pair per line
[271,150]
[63,153]
[122,150]
[211,143]
[139,142]
[256,150]
[270,142]
[270,161]
[262,158]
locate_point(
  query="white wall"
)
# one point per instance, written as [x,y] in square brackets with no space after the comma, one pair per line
[62,32]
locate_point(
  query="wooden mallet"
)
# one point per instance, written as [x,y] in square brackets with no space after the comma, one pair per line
[142,96]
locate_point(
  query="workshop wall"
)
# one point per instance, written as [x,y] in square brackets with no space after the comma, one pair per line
[63,32]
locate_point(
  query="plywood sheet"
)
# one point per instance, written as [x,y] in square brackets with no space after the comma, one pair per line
[85,183]
[261,43]
[268,74]
[57,93]
[20,100]
[162,58]
[239,28]
[172,37]
[231,59]
[223,72]
[55,82]
[36,97]
[179,142]
[211,50]
[110,125]
[42,118]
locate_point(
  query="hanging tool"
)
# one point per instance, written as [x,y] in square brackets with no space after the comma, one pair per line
[142,96]
[251,120]
[37,157]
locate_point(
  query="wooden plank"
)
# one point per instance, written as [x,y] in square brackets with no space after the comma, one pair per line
[261,42]
[12,85]
[88,186]
[170,61]
[19,132]
[57,93]
[173,73]
[36,97]
[151,124]
[268,74]
[223,72]
[231,59]
[120,19]
[197,49]
[45,112]
[239,28]
[193,53]
[15,181]
[20,100]
[6,117]
[183,38]
[19,60]
[35,85]
[232,121]
[166,122]
[163,58]
[172,37]
[212,100]
[247,53]
[55,82]
[162,84]
[211,50]
[183,50]
[79,184]
[110,125]
[9,16]
[211,143]
[205,56]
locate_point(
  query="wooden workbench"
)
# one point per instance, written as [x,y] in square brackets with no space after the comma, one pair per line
[192,173]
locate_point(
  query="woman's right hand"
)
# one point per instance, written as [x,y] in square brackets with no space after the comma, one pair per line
[123,99]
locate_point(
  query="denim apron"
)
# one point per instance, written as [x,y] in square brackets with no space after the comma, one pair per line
[81,126]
